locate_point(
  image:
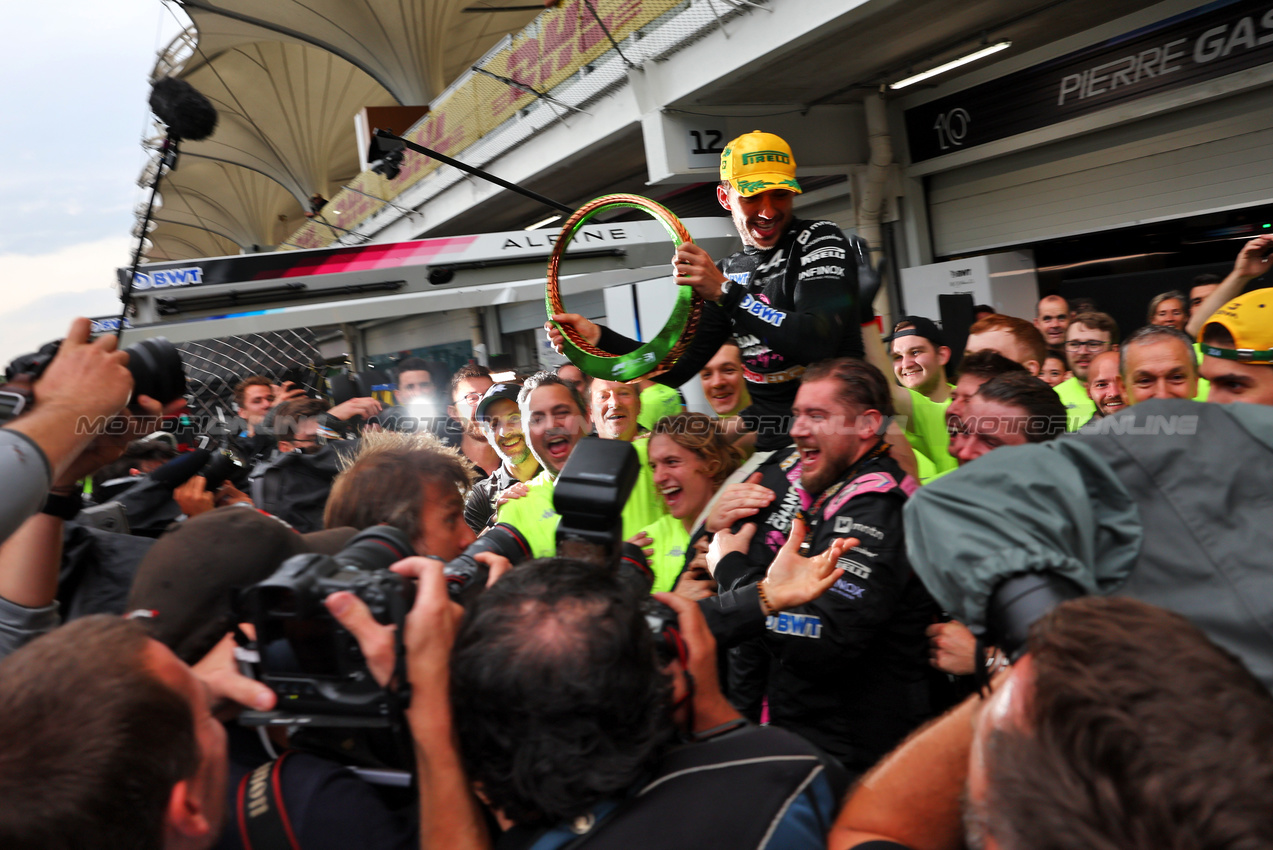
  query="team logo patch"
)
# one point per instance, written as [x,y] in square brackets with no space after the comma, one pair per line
[848,589]
[854,568]
[762,311]
[828,253]
[797,625]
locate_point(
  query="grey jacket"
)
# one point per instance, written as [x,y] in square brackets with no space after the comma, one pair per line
[1169,502]
[26,477]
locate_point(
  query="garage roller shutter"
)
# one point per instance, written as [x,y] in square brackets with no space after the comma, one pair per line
[1211,157]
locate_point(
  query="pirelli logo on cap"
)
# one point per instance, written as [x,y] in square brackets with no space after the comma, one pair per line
[753,157]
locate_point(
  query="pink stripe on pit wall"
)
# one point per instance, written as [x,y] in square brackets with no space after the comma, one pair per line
[394,255]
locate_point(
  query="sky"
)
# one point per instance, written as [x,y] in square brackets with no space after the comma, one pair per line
[74,105]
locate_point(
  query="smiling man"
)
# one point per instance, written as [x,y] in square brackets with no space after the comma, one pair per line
[616,407]
[920,355]
[1087,335]
[1105,384]
[500,419]
[790,297]
[554,419]
[723,382]
[1157,362]
[851,672]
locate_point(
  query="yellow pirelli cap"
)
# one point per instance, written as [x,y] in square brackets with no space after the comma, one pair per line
[1249,320]
[756,162]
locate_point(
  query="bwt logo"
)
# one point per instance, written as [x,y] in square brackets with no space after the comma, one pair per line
[762,311]
[168,277]
[108,326]
[797,625]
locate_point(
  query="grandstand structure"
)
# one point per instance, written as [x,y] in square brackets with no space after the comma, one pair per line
[1093,118]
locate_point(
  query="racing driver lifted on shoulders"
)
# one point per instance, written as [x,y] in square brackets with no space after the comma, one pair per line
[790,297]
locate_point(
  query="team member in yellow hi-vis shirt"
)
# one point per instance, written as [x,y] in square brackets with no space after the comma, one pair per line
[919,354]
[690,459]
[554,419]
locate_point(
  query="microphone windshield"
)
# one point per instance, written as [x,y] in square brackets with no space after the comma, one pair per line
[187,113]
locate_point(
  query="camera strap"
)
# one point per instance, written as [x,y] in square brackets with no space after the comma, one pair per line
[259,810]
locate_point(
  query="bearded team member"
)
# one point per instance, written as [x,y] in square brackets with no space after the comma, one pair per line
[790,297]
[554,419]
[850,669]
[501,421]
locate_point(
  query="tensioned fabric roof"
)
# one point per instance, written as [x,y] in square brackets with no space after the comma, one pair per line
[287,78]
[413,48]
[238,206]
[286,111]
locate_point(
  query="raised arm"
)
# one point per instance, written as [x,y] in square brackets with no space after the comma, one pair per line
[1252,261]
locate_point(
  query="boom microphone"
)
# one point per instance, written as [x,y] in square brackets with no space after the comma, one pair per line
[188,115]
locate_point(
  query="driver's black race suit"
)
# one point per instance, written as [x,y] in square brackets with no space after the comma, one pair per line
[788,306]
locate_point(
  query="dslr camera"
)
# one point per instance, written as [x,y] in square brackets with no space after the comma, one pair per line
[155,365]
[303,654]
[589,495]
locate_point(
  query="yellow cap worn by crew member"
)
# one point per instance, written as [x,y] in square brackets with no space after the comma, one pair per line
[1249,320]
[756,162]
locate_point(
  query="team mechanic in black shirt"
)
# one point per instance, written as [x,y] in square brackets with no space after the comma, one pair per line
[790,296]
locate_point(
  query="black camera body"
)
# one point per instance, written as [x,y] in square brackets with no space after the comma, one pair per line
[589,494]
[225,464]
[155,365]
[303,654]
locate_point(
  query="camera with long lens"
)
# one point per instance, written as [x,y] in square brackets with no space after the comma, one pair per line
[1016,602]
[155,365]
[301,652]
[466,576]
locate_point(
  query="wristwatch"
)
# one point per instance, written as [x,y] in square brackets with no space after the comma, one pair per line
[63,506]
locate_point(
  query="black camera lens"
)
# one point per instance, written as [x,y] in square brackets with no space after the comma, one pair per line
[156,368]
[466,576]
[375,548]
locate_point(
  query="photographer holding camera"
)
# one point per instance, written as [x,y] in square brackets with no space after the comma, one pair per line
[549,696]
[65,411]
